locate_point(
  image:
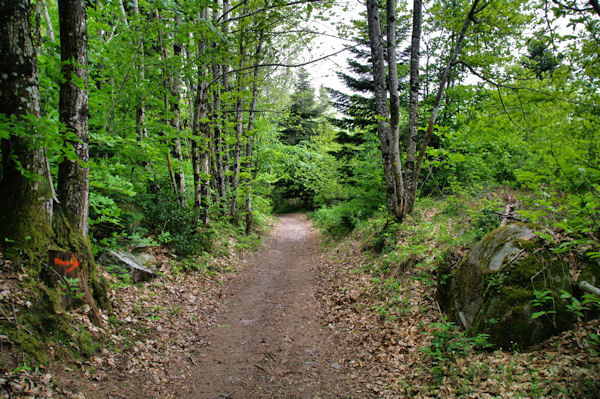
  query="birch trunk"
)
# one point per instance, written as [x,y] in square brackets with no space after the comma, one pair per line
[49,29]
[440,92]
[200,152]
[251,134]
[413,108]
[201,140]
[140,113]
[226,88]
[168,83]
[389,146]
[217,121]
[175,91]
[238,134]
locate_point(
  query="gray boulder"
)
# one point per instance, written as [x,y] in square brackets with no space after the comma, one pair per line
[493,289]
[139,267]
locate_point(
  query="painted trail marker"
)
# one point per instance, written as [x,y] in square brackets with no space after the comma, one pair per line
[64,263]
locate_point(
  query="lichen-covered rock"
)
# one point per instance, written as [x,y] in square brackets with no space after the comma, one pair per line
[493,289]
[589,272]
[139,268]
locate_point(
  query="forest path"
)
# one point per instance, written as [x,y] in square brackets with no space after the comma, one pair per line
[268,340]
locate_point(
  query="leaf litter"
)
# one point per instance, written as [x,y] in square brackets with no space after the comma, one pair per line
[155,335]
[387,342]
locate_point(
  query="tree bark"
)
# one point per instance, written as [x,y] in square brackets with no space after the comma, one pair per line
[73,189]
[38,28]
[24,191]
[394,108]
[218,122]
[392,168]
[167,82]
[123,13]
[73,181]
[200,155]
[413,108]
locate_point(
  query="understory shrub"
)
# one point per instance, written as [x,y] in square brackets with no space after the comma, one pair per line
[165,217]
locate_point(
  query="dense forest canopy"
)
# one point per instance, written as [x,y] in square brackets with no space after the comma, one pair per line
[136,122]
[193,112]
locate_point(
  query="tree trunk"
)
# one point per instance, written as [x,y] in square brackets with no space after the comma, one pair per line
[199,148]
[175,91]
[389,140]
[413,108]
[71,224]
[226,88]
[73,190]
[123,13]
[251,134]
[26,209]
[38,28]
[218,122]
[439,94]
[201,140]
[238,134]
[394,108]
[49,30]
[140,114]
[167,79]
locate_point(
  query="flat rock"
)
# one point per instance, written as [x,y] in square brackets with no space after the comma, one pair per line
[139,267]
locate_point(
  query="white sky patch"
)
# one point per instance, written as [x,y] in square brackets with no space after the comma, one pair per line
[324,72]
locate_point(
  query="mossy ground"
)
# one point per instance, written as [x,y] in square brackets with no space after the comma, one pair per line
[37,311]
[39,323]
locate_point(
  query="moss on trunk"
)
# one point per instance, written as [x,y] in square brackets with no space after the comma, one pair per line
[68,238]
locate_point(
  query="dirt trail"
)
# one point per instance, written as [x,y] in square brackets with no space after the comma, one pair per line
[268,341]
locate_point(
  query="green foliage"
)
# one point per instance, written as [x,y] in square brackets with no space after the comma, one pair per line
[356,191]
[71,287]
[301,122]
[448,343]
[543,299]
[485,220]
[300,173]
[593,343]
[166,218]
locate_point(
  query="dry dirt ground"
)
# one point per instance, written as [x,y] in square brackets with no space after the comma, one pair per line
[268,340]
[260,336]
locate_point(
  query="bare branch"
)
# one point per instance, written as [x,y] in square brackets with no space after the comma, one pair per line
[281,65]
[241,3]
[571,8]
[263,10]
[517,88]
